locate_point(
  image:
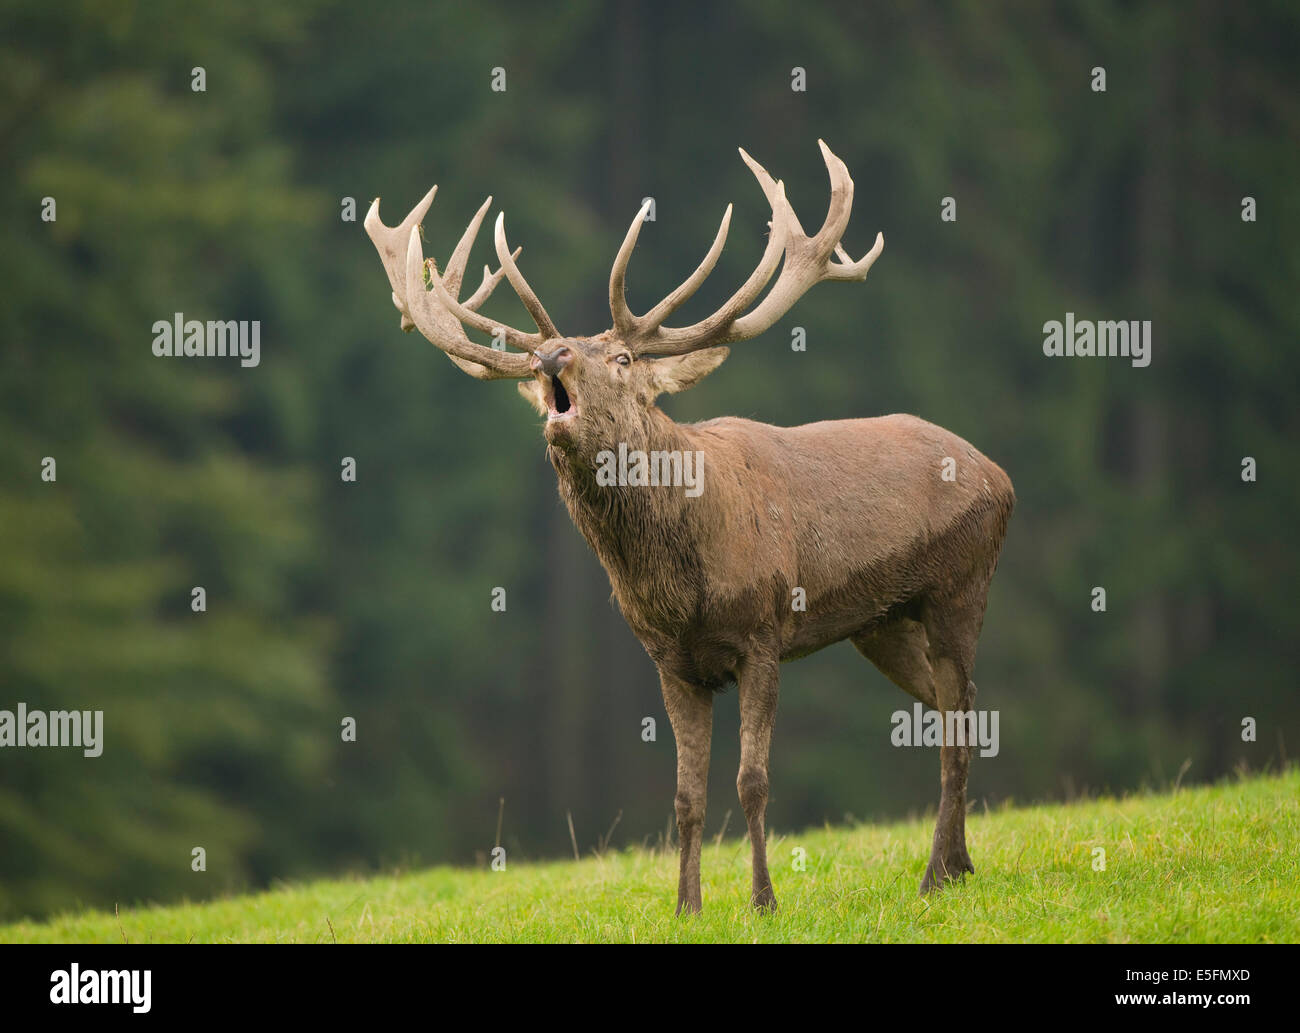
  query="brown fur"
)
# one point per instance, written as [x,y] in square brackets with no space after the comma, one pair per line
[855,512]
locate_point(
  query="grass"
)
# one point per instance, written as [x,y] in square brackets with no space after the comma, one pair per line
[1214,864]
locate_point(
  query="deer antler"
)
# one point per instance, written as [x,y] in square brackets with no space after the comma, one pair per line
[435,310]
[807,262]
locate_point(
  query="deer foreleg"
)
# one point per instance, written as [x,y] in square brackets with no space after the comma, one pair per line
[759,680]
[691,712]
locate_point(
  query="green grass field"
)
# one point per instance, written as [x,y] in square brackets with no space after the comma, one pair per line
[1213,864]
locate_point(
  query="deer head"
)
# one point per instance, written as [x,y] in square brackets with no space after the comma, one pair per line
[594,390]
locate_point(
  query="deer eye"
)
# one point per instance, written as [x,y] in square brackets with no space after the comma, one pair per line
[623,360]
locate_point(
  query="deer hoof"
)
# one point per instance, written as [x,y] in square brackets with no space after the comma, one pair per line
[764,900]
[951,870]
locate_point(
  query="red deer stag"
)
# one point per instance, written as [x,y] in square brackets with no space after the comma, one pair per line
[887,551]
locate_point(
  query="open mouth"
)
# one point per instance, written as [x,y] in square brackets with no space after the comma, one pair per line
[558,400]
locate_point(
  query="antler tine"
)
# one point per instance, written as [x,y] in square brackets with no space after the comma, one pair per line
[489,284]
[837,222]
[840,207]
[468,315]
[772,191]
[632,327]
[453,276]
[517,281]
[435,310]
[847,269]
[455,271]
[624,321]
[490,281]
[667,340]
[441,324]
[807,261]
[390,242]
[653,319]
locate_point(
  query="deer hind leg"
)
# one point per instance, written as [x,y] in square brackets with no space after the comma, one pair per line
[690,710]
[900,650]
[953,628]
[949,859]
[759,681]
[918,662]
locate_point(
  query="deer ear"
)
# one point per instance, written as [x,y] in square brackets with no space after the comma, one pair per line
[678,372]
[532,392]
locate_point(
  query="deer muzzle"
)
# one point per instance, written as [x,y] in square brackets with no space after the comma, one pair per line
[552,362]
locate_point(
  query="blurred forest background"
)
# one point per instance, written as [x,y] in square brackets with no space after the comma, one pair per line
[371,599]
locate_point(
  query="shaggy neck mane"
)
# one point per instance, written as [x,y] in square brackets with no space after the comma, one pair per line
[629,527]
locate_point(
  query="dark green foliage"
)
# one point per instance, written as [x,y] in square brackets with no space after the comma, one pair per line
[371,599]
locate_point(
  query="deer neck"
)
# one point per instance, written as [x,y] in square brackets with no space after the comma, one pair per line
[636,530]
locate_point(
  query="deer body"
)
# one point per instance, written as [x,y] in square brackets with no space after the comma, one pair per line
[884,531]
[853,512]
